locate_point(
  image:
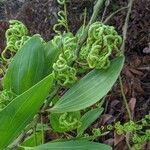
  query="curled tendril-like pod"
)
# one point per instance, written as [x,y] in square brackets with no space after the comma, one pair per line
[1,72]
[61,22]
[61,2]
[119,128]
[66,77]
[138,146]
[62,18]
[96,132]
[63,72]
[110,127]
[21,42]
[16,36]
[68,121]
[102,41]
[147,117]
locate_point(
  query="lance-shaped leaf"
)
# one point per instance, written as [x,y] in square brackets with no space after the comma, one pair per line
[26,68]
[19,113]
[52,52]
[71,145]
[88,118]
[90,89]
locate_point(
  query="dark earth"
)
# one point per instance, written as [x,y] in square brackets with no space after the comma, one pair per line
[40,16]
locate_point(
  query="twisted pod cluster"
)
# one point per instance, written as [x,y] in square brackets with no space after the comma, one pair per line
[16,36]
[63,72]
[61,2]
[62,18]
[101,42]
[137,129]
[128,127]
[69,122]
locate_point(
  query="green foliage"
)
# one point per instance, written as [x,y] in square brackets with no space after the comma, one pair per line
[25,70]
[31,141]
[29,79]
[90,89]
[51,51]
[75,145]
[88,118]
[18,114]
[102,41]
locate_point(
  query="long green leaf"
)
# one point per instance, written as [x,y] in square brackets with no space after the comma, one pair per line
[88,118]
[72,145]
[94,86]
[31,141]
[18,114]
[51,54]
[26,68]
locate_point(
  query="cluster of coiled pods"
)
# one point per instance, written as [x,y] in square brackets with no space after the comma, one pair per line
[68,122]
[64,73]
[16,37]
[102,41]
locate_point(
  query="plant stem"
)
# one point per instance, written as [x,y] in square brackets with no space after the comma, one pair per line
[35,137]
[124,98]
[65,10]
[125,27]
[48,101]
[113,14]
[42,129]
[127,141]
[97,8]
[105,9]
[24,134]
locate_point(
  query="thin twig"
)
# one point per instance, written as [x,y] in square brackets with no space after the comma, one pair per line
[105,9]
[113,14]
[124,98]
[65,10]
[24,134]
[49,99]
[97,8]
[127,141]
[125,27]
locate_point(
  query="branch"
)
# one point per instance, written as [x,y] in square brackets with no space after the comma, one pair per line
[113,14]
[125,27]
